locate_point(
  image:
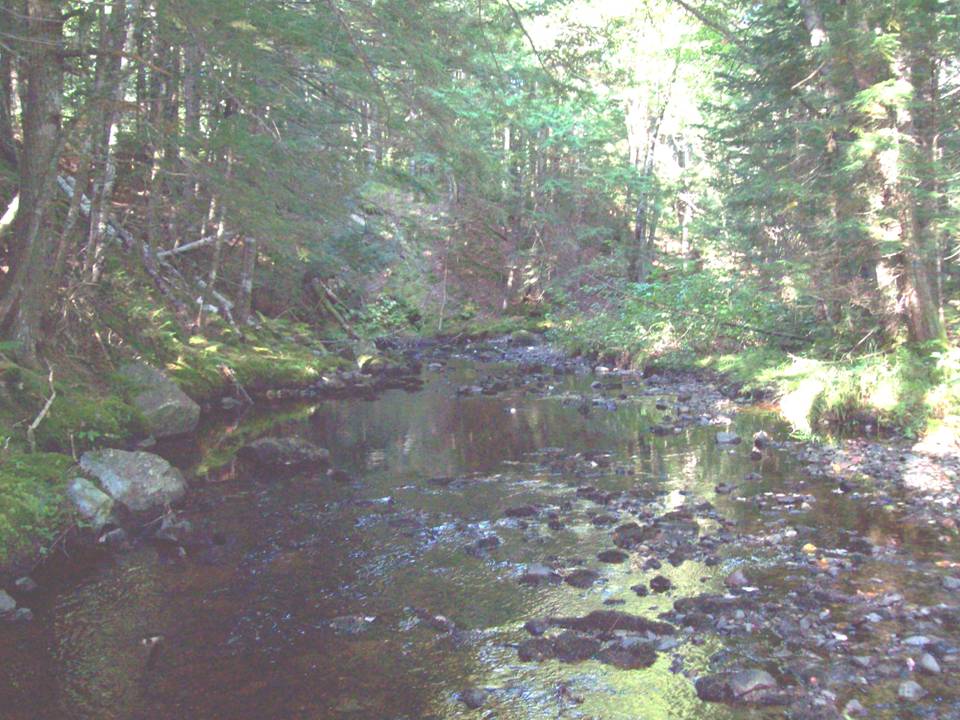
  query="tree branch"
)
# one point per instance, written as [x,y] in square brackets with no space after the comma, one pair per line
[723,31]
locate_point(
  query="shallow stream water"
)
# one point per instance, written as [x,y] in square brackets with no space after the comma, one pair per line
[314,605]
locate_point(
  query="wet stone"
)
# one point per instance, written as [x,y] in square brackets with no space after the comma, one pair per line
[7,603]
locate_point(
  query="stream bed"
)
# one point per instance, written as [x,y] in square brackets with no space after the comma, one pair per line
[443,572]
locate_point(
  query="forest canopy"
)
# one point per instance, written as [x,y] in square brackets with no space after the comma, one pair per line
[645,178]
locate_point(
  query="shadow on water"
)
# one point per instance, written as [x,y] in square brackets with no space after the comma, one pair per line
[313,608]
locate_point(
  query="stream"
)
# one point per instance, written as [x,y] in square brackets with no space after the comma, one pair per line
[403,592]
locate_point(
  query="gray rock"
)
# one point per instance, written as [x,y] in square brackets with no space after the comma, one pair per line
[7,603]
[138,480]
[537,574]
[951,583]
[928,664]
[94,505]
[166,409]
[290,453]
[910,690]
[474,698]
[748,682]
[22,614]
[727,438]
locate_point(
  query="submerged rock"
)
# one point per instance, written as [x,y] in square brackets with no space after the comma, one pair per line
[743,686]
[628,653]
[614,557]
[660,584]
[289,453]
[629,535]
[608,621]
[140,481]
[573,647]
[167,411]
[582,578]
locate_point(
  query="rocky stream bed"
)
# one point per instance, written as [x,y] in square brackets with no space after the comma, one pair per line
[523,537]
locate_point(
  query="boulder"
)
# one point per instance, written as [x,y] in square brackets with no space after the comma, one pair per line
[290,453]
[727,438]
[94,505]
[140,481]
[166,409]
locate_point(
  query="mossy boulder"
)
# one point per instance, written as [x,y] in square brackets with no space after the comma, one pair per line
[92,504]
[140,481]
[167,411]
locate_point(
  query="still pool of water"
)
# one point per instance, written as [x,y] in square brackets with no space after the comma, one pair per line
[247,629]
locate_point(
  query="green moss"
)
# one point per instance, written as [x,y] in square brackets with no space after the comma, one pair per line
[33,506]
[82,414]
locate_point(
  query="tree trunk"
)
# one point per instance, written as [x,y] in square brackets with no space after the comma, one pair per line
[916,189]
[248,267]
[27,292]
[120,35]
[8,145]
